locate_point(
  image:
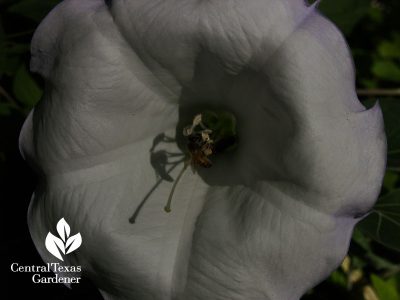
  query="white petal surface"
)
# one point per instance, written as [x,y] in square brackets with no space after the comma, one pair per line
[278,213]
[129,260]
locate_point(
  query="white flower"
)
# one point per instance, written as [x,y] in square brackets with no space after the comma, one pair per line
[267,221]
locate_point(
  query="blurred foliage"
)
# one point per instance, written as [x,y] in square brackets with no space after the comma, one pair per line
[344,13]
[19,89]
[372,268]
[391,112]
[32,9]
[383,223]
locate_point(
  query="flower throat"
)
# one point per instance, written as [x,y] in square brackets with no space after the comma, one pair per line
[211,133]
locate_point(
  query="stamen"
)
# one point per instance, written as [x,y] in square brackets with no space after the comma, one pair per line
[211,132]
[167,207]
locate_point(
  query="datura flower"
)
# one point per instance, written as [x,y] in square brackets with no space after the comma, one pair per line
[269,219]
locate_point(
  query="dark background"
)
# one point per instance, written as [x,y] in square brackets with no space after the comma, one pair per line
[373,32]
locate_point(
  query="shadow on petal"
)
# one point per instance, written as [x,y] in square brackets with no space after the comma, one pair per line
[160,161]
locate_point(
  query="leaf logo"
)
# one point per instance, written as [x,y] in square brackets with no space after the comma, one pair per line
[65,244]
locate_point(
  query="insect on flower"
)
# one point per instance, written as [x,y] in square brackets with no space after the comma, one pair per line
[199,143]
[210,133]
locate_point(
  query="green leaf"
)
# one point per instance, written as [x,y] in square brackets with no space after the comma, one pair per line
[345,13]
[358,262]
[390,180]
[391,112]
[390,49]
[5,109]
[379,262]
[385,289]
[10,56]
[376,14]
[25,89]
[33,9]
[383,224]
[359,238]
[387,70]
[374,260]
[338,278]
[368,83]
[397,278]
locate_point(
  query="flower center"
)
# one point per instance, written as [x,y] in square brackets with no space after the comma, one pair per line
[211,133]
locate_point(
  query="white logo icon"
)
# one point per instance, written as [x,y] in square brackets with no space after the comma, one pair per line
[65,244]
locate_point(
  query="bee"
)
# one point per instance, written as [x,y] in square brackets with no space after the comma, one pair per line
[200,147]
[197,158]
[199,144]
[208,134]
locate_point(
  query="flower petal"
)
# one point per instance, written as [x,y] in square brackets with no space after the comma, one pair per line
[299,121]
[99,96]
[90,137]
[141,260]
[278,212]
[263,244]
[168,35]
